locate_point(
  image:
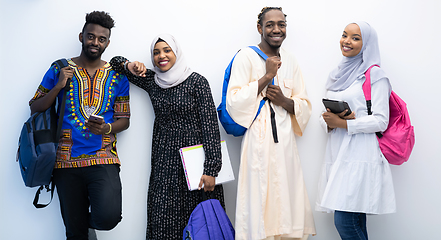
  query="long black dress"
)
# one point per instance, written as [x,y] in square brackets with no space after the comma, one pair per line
[185,116]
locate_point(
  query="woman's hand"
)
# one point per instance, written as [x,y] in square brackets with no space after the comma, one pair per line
[337,120]
[209,182]
[137,68]
[350,116]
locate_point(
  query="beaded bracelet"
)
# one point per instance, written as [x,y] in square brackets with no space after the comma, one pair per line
[110,128]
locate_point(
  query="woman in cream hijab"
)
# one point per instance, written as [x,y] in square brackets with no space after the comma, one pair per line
[185,115]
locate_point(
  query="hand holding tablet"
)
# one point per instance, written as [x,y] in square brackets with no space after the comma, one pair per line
[337,106]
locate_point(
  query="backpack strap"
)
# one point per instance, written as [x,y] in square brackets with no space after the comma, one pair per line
[261,54]
[273,114]
[37,195]
[226,229]
[62,63]
[367,93]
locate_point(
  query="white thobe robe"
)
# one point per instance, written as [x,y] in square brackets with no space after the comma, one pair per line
[272,199]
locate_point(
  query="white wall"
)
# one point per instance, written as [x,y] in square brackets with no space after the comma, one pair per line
[33,33]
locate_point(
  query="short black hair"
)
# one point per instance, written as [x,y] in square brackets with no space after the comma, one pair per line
[264,10]
[101,18]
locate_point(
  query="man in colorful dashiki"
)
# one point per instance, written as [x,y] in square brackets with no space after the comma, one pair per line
[86,172]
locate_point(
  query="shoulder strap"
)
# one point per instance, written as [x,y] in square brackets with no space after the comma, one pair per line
[258,51]
[226,229]
[261,54]
[273,114]
[367,89]
[62,63]
[367,93]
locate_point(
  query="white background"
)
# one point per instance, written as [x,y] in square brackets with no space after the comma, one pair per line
[33,33]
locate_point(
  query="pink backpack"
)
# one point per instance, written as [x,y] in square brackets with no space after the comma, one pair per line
[397,141]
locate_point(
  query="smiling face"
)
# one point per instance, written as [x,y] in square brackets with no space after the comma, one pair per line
[273,28]
[351,41]
[163,56]
[95,40]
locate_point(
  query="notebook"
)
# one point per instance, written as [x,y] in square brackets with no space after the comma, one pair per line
[193,158]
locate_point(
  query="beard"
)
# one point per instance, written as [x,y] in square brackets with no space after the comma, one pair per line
[91,55]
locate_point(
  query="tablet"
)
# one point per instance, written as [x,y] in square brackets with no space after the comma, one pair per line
[337,106]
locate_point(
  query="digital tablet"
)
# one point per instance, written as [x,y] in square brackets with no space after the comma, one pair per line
[336,106]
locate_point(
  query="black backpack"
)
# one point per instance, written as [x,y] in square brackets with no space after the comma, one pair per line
[37,145]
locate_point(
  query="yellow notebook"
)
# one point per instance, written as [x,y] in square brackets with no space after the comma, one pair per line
[193,158]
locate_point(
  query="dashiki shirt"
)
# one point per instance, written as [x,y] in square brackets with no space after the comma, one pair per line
[106,95]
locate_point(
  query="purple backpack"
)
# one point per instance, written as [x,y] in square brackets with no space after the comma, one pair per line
[208,221]
[396,143]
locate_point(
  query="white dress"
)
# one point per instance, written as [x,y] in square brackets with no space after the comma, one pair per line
[355,176]
[271,197]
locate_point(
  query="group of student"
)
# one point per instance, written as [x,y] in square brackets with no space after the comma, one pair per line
[272,201]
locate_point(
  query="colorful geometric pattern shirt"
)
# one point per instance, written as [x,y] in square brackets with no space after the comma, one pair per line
[105,94]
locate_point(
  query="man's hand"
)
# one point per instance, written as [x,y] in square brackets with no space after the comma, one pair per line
[65,73]
[272,65]
[137,68]
[209,182]
[97,128]
[275,94]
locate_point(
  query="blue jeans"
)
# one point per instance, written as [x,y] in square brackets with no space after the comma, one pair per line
[351,225]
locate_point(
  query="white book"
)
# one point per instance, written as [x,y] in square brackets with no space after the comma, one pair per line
[193,158]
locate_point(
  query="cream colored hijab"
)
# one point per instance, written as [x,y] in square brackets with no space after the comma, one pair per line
[178,72]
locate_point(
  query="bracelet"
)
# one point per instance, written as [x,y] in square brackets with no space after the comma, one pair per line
[125,65]
[110,128]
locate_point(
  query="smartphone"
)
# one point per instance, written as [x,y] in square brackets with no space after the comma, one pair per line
[96,118]
[336,106]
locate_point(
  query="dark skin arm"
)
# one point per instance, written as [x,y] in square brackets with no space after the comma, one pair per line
[45,102]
